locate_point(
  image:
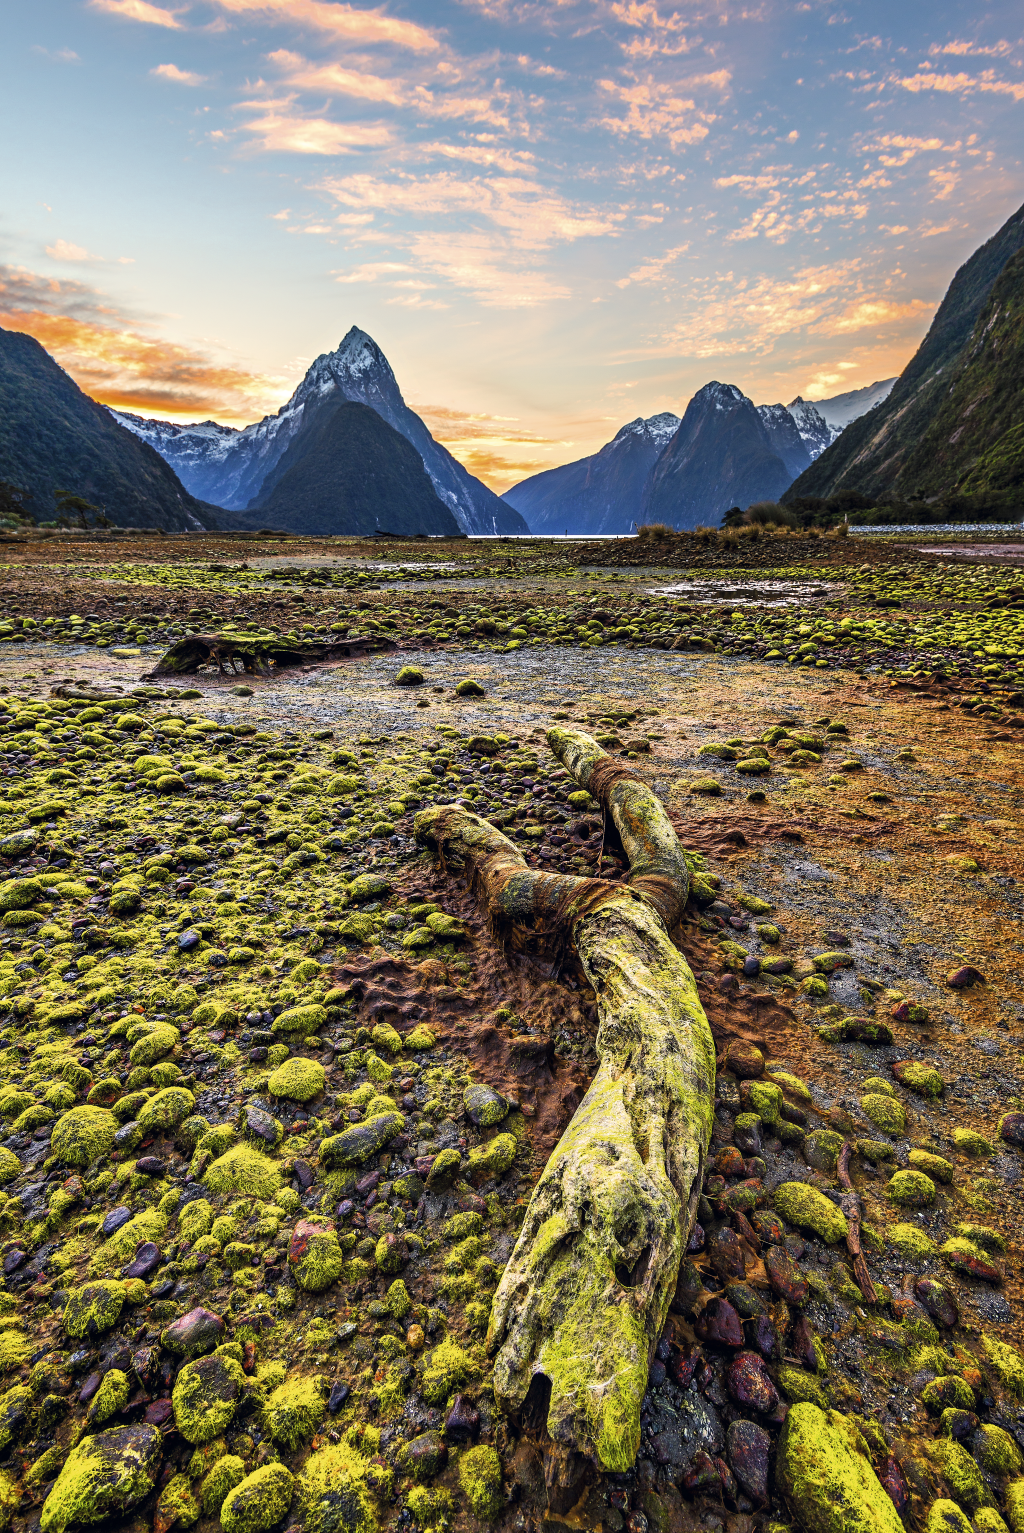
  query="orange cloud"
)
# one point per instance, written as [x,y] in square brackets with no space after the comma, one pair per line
[491,446]
[342,21]
[115,363]
[277,128]
[138,10]
[963,84]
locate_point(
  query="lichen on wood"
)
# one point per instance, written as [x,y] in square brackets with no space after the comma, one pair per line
[259,653]
[584,1297]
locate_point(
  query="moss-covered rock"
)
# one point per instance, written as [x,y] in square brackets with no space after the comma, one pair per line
[299,1080]
[167,1109]
[491,1159]
[446,1370]
[935,1166]
[154,1045]
[824,1470]
[911,1189]
[294,1411]
[334,1494]
[83,1135]
[104,1477]
[315,1256]
[960,1473]
[919,1077]
[356,1144]
[205,1397]
[480,1479]
[301,1020]
[996,1452]
[258,1501]
[944,1516]
[216,1484]
[809,1209]
[93,1308]
[911,1241]
[1008,1366]
[885,1112]
[245,1171]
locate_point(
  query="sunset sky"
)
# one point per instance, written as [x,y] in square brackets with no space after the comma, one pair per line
[552,217]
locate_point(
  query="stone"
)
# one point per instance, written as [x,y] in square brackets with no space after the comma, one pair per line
[937,1301]
[484,1107]
[83,1135]
[93,1308]
[725,1253]
[809,1209]
[748,1447]
[297,1079]
[200,1331]
[922,1078]
[947,1391]
[719,1322]
[748,1383]
[821,1150]
[104,1477]
[885,1112]
[911,1189]
[315,1256]
[205,1397]
[823,1468]
[971,1260]
[479,1472]
[785,1276]
[426,1455]
[259,1501]
[1011,1128]
[356,1144]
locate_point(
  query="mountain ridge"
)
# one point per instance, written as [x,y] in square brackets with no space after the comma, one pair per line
[229,466]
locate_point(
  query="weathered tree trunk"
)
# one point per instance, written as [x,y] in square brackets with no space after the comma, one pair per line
[584,1297]
[255,653]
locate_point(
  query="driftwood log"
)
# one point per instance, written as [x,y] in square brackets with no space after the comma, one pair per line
[583,1300]
[258,654]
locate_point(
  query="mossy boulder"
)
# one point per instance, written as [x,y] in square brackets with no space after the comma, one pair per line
[824,1470]
[244,1170]
[315,1256]
[468,687]
[294,1411]
[809,1209]
[885,1112]
[967,1142]
[83,1134]
[935,1166]
[944,1516]
[259,1501]
[299,1080]
[996,1452]
[911,1189]
[480,1479]
[225,1474]
[104,1477]
[960,1473]
[446,1370]
[912,1242]
[334,1493]
[491,1159]
[10,1166]
[356,1144]
[205,1397]
[303,1020]
[167,1109]
[93,1308]
[154,1045]
[919,1077]
[149,1224]
[1008,1366]
[409,676]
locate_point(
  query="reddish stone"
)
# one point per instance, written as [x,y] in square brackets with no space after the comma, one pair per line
[1011,1128]
[729,1161]
[895,1485]
[965,977]
[718,1321]
[159,1413]
[748,1447]
[801,1343]
[749,1385]
[938,1301]
[785,1276]
[726,1255]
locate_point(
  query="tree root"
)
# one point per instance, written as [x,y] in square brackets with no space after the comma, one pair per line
[584,1297]
[254,654]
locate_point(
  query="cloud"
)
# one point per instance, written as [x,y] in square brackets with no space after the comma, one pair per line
[372,271]
[653,269]
[872,312]
[493,447]
[972,50]
[177,76]
[113,360]
[278,129]
[480,264]
[340,21]
[64,250]
[58,55]
[138,10]
[654,110]
[962,84]
[532,217]
[733,315]
[334,79]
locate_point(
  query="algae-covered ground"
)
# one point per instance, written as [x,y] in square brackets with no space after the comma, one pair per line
[275,1097]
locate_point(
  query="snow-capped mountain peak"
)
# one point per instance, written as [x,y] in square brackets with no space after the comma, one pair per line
[815,431]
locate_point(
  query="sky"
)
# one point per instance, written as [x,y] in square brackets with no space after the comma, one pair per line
[552,215]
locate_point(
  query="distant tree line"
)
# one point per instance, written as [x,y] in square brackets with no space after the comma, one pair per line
[17,511]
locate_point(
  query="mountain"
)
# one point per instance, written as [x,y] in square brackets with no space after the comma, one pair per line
[53,437]
[230,467]
[720,456]
[785,438]
[599,494]
[841,409]
[350,472]
[884,453]
[815,430]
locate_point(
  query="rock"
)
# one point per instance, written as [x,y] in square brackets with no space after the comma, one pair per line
[809,1209]
[205,1397]
[823,1468]
[356,1144]
[258,1124]
[426,1455]
[922,1078]
[719,1322]
[911,1189]
[484,1107]
[146,1260]
[93,1308]
[1011,1128]
[748,1383]
[945,1516]
[770,1229]
[469,688]
[82,1135]
[938,1301]
[726,1255]
[462,1421]
[884,1112]
[964,1256]
[197,1332]
[747,1133]
[294,1411]
[748,1447]
[821,1150]
[964,977]
[409,676]
[114,1220]
[259,1501]
[315,1256]
[480,1478]
[297,1079]
[947,1391]
[104,1477]
[745,1060]
[785,1276]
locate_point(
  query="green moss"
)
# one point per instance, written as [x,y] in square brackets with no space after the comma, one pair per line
[946,1517]
[95,1306]
[356,1144]
[82,1135]
[969,1143]
[429,1506]
[303,1020]
[988,1520]
[875,1150]
[824,1470]
[258,1501]
[297,1079]
[104,1476]
[997,1453]
[398,1300]
[167,1109]
[154,1045]
[911,1189]
[801,1387]
[244,1170]
[480,1479]
[222,1478]
[315,1256]
[911,1241]
[14,1409]
[884,1112]
[922,1078]
[420,1038]
[447,1369]
[947,1391]
[150,1224]
[177,1506]
[792,1085]
[960,1473]
[205,1397]
[491,1159]
[111,1396]
[934,1166]
[294,1411]
[334,1493]
[1013,1505]
[1008,1365]
[809,1209]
